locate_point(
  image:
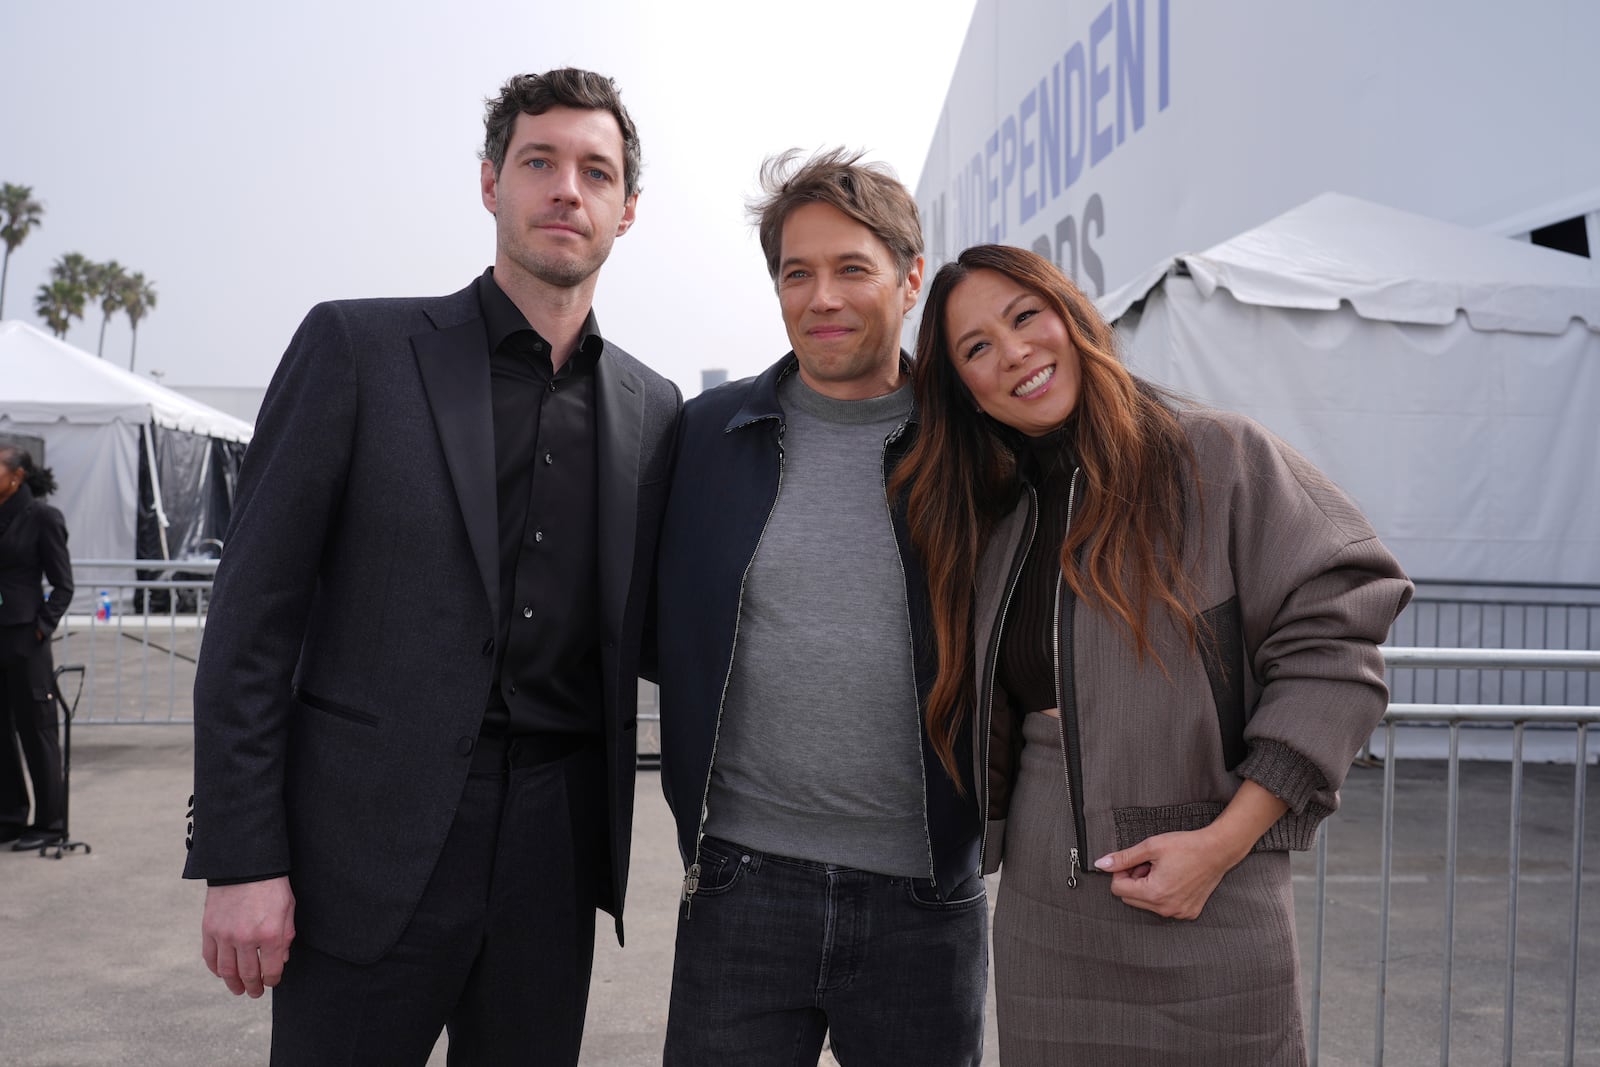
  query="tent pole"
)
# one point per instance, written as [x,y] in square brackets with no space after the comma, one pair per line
[155,487]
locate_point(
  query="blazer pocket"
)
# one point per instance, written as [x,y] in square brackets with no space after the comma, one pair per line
[334,708]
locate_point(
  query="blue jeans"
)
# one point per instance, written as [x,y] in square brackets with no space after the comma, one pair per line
[773,952]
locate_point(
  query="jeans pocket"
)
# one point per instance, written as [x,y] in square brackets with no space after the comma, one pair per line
[969,893]
[722,865]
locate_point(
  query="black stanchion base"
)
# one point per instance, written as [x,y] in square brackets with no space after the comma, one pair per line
[56,850]
[64,844]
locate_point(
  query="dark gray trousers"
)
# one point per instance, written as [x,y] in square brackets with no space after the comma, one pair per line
[498,952]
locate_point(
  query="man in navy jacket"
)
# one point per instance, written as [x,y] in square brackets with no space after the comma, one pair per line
[831,879]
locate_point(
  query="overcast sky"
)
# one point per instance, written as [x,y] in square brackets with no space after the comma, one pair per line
[255,160]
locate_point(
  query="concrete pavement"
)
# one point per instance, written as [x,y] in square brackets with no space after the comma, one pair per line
[100,954]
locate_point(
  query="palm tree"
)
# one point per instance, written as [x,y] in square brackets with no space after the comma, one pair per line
[138,299]
[19,214]
[74,267]
[108,282]
[59,302]
[74,273]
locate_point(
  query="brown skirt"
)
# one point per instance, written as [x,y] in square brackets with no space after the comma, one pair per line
[1082,978]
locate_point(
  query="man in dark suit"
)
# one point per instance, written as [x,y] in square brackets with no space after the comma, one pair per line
[415,704]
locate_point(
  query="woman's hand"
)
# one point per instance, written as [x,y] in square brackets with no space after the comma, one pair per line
[1175,874]
[1172,874]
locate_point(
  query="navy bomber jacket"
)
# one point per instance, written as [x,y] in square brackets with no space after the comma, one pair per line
[729,458]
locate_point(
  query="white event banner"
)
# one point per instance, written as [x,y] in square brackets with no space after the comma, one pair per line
[1112,134]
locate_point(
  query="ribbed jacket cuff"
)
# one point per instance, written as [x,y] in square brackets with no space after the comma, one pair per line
[1283,772]
[1295,832]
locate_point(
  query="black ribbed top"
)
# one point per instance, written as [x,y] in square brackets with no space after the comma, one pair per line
[1026,670]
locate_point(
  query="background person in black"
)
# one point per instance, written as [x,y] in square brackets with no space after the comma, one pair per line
[33,545]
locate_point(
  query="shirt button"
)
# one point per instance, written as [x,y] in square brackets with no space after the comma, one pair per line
[538,346]
[538,535]
[552,387]
[464,746]
[513,690]
[527,613]
[548,458]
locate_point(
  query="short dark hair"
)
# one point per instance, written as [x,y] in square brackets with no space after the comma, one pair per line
[534,94]
[866,192]
[41,481]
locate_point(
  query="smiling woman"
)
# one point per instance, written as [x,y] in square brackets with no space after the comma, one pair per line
[1158,627]
[1014,353]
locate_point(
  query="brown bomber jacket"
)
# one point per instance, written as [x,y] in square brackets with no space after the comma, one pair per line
[1298,592]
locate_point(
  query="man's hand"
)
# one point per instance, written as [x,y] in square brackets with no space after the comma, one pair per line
[245,933]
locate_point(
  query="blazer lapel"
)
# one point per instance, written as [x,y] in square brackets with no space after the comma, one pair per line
[454,363]
[620,426]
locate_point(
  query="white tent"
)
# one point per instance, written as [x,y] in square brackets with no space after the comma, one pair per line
[1448,380]
[102,426]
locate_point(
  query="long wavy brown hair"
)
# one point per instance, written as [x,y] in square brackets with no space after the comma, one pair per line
[961,477]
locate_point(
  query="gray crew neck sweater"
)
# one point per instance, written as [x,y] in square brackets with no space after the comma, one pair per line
[819,754]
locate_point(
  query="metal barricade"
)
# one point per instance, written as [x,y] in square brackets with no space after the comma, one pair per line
[138,637]
[1453,717]
[1496,615]
[140,656]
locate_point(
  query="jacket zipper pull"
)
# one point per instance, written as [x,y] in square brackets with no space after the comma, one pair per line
[1072,870]
[691,884]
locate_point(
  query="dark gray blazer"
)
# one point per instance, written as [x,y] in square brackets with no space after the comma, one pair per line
[348,652]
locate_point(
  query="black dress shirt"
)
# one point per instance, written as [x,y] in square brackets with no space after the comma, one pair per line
[547,652]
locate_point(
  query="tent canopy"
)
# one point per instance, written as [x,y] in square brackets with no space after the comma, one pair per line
[105,431]
[1389,266]
[1446,379]
[44,380]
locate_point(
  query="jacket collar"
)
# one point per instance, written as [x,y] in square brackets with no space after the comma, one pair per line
[15,504]
[453,361]
[761,400]
[460,308]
